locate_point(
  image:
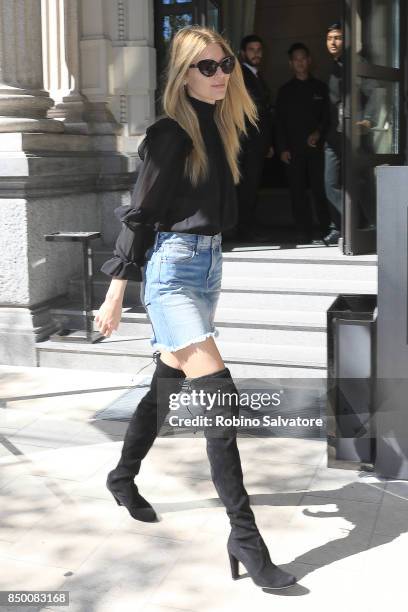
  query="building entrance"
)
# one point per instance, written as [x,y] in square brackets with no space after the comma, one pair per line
[370,117]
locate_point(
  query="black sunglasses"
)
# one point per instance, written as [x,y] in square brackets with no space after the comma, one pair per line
[208,67]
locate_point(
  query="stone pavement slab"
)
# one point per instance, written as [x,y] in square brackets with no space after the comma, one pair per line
[343,533]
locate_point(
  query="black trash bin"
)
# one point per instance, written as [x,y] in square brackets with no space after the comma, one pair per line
[351,340]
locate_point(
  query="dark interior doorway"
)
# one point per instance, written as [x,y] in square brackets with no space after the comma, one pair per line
[281,23]
[374,53]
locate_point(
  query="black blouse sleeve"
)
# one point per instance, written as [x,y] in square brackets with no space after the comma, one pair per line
[163,152]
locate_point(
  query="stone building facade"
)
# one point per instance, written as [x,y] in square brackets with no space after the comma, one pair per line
[77,83]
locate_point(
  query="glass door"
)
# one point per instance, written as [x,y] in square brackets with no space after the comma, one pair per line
[171,15]
[374,131]
[213,14]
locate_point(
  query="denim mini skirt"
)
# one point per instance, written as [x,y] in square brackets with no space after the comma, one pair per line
[180,288]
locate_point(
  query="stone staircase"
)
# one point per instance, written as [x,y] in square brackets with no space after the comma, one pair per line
[271,315]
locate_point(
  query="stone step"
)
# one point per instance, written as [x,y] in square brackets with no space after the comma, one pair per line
[130,354]
[249,300]
[70,316]
[259,287]
[284,329]
[304,254]
[294,270]
[263,254]
[145,366]
[229,299]
[304,285]
[274,301]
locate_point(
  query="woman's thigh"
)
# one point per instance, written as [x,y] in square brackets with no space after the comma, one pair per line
[196,359]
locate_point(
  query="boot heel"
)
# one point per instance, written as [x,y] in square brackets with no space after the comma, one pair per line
[117,500]
[234,566]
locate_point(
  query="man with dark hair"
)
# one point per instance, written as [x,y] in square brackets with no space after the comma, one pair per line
[257,145]
[302,111]
[334,144]
[247,40]
[298,47]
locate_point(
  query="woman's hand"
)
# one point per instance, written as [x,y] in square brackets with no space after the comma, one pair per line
[286,157]
[108,316]
[270,153]
[313,138]
[110,313]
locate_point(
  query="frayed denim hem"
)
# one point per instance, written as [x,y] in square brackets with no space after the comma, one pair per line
[171,349]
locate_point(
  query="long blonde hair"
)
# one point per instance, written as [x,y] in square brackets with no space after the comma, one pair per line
[187,44]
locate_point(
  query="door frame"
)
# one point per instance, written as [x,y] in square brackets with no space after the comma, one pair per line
[356,240]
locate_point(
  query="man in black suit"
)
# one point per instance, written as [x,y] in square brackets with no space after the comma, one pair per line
[257,145]
[303,116]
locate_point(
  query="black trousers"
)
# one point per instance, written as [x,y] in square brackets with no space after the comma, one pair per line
[332,179]
[251,163]
[307,168]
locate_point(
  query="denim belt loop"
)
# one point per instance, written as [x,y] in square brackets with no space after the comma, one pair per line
[216,240]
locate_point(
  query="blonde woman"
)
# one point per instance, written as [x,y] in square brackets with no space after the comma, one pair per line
[183,200]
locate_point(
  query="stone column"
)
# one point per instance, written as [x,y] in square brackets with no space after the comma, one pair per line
[51,180]
[23,101]
[60,29]
[95,68]
[46,182]
[100,68]
[133,81]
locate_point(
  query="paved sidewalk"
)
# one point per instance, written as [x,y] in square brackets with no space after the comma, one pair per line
[343,533]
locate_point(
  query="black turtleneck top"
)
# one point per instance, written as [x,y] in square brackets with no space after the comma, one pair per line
[164,199]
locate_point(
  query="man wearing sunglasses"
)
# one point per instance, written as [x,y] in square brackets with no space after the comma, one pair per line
[257,145]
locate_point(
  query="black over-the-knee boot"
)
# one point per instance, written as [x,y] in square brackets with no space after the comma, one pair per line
[245,543]
[140,435]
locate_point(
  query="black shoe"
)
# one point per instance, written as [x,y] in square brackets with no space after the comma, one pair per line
[142,431]
[332,238]
[318,241]
[245,543]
